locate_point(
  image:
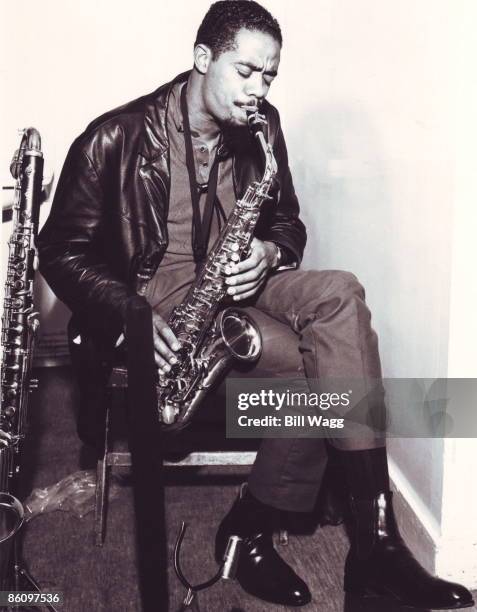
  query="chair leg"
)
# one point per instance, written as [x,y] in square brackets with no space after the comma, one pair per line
[102,482]
[100,510]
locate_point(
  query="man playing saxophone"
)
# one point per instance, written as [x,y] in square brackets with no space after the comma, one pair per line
[135,212]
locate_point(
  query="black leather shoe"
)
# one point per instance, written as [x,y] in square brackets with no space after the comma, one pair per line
[379,564]
[261,571]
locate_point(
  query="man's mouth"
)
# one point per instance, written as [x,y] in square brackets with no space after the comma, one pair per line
[249,108]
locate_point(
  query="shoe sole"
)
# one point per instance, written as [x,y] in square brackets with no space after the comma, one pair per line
[370,594]
[273,601]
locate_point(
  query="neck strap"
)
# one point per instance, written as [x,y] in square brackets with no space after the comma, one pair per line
[200,224]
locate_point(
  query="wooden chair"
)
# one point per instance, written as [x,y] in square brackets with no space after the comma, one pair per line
[214,450]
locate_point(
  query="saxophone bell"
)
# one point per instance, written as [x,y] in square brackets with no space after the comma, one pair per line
[239,334]
[11,520]
[233,337]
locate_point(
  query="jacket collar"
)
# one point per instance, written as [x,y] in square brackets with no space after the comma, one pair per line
[156,139]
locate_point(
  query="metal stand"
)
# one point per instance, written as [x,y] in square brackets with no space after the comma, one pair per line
[226,571]
[21,574]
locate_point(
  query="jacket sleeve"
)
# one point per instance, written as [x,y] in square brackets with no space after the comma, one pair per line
[285,228]
[69,248]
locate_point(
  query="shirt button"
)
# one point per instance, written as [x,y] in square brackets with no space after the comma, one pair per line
[205,164]
[203,149]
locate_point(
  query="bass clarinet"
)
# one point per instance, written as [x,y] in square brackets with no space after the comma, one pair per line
[19,328]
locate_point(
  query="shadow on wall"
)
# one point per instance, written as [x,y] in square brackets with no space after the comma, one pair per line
[339,171]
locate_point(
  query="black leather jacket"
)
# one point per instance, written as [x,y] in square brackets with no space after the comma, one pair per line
[107,231]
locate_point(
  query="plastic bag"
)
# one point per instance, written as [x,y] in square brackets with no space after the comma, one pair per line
[74,493]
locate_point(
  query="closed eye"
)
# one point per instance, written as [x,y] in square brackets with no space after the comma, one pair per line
[244,73]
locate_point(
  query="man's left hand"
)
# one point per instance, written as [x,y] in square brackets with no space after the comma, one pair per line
[247,276]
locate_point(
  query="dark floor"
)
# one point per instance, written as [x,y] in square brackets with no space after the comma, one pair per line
[59,548]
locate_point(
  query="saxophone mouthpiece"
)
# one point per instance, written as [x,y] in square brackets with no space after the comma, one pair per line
[256,122]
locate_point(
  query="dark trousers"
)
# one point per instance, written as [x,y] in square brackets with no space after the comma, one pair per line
[313,323]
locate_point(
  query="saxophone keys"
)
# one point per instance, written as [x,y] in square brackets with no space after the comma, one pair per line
[5,439]
[10,411]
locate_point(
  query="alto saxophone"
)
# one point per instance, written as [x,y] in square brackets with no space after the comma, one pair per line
[212,339]
[19,327]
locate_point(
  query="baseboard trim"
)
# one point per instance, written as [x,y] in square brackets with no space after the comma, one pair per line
[418,527]
[450,558]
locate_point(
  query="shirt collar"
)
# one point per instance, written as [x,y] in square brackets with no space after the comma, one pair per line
[223,150]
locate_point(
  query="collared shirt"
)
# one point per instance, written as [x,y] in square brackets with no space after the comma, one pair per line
[177,270]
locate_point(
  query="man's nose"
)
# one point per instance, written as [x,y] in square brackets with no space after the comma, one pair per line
[257,88]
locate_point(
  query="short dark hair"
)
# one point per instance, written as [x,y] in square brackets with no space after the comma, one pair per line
[226,17]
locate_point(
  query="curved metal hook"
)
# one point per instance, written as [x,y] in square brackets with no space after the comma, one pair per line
[178,569]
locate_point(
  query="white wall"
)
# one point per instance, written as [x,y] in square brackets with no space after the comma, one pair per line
[371,97]
[373,163]
[457,549]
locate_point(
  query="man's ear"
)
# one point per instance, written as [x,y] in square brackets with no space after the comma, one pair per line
[202,58]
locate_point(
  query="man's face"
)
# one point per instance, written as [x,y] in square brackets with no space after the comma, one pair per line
[241,78]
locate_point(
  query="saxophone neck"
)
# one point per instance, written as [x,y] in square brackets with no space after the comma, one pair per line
[258,127]
[30,145]
[32,139]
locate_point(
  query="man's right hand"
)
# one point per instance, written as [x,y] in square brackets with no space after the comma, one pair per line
[165,344]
